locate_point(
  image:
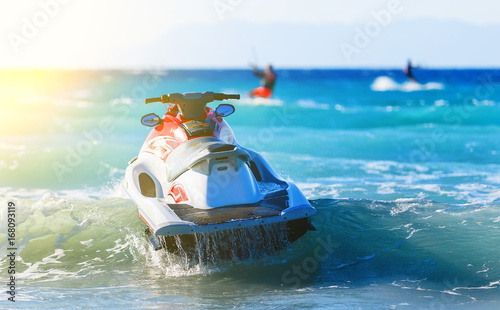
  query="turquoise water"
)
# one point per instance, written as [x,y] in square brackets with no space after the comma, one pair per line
[406,180]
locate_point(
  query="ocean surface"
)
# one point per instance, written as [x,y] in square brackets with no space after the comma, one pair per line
[405,178]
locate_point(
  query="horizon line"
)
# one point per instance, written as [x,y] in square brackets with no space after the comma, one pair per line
[165,68]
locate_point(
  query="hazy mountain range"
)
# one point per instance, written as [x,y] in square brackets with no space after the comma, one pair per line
[234,44]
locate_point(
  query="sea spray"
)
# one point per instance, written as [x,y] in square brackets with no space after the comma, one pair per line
[236,245]
[71,238]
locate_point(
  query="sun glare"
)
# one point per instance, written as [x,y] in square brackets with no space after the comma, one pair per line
[28,99]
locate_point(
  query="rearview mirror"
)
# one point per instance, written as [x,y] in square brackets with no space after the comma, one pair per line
[151,120]
[224,110]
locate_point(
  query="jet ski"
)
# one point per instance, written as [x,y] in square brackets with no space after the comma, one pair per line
[192,179]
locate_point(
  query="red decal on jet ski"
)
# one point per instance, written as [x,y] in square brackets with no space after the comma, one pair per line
[178,193]
[161,146]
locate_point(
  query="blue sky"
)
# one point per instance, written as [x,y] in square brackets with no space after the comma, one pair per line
[231,33]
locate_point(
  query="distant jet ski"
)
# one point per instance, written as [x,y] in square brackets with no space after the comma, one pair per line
[268,79]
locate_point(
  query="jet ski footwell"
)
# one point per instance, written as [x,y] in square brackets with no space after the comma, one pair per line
[268,225]
[239,242]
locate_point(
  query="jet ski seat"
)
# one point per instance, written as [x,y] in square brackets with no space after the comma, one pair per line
[201,154]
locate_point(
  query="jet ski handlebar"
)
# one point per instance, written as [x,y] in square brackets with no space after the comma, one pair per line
[221,96]
[204,97]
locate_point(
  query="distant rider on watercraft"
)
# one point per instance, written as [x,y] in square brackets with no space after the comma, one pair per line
[268,79]
[409,72]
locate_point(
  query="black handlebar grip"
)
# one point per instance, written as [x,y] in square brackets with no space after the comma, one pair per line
[151,100]
[220,96]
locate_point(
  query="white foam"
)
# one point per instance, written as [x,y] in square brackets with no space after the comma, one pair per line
[320,190]
[87,243]
[268,187]
[385,83]
[85,194]
[33,271]
[260,101]
[311,104]
[381,166]
[118,248]
[386,189]
[441,103]
[478,193]
[493,179]
[488,103]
